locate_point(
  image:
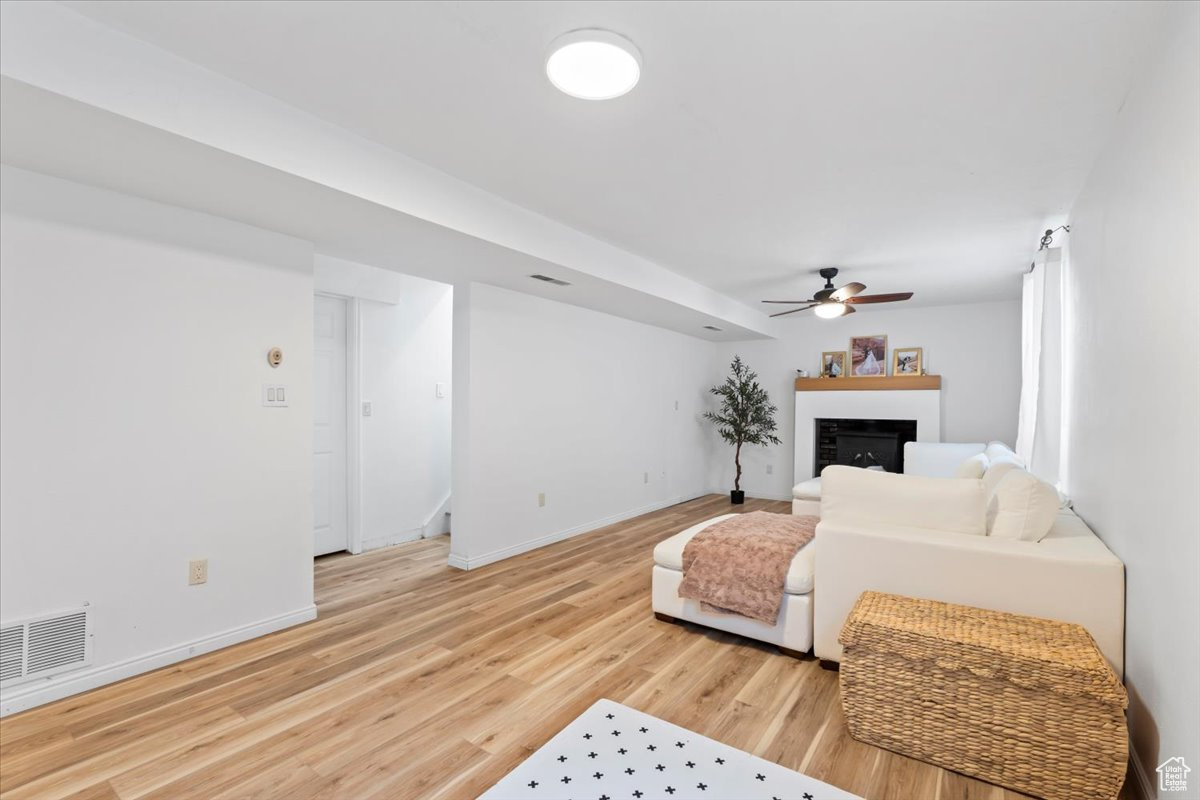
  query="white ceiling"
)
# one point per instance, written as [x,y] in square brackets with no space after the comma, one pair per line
[919,146]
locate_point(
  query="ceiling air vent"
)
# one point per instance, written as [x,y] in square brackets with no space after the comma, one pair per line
[43,646]
[548,279]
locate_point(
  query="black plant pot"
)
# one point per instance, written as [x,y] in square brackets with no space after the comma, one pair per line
[737,497]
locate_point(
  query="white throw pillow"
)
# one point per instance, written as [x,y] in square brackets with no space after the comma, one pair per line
[1022,507]
[973,467]
[881,501]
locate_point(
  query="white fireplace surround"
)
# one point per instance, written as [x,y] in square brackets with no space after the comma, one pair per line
[922,405]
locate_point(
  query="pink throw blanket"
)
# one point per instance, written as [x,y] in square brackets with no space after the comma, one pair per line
[740,564]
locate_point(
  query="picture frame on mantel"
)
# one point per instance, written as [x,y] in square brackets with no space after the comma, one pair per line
[833,364]
[868,357]
[907,362]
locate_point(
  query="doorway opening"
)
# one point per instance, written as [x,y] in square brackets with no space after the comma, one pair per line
[382,357]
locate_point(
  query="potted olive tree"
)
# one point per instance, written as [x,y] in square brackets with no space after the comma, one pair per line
[746,416]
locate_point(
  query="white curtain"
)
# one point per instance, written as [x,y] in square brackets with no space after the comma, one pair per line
[1032,296]
[1040,430]
[1066,325]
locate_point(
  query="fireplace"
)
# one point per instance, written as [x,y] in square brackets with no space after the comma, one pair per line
[873,403]
[877,443]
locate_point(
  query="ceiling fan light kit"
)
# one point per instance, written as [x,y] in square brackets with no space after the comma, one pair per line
[831,303]
[832,310]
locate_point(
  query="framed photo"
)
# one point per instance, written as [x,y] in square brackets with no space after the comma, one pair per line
[906,361]
[868,356]
[833,364]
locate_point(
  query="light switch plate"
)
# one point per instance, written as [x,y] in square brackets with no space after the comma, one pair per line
[439,389]
[274,395]
[366,408]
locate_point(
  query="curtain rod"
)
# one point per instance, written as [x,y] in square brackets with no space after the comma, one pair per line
[1048,236]
[1047,239]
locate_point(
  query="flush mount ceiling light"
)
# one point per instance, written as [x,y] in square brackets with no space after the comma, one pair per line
[593,64]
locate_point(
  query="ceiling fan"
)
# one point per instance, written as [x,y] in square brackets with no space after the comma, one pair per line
[831,302]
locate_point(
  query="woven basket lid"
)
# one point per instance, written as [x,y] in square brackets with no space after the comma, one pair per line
[1033,653]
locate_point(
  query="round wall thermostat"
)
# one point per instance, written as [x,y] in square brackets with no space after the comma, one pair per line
[274,356]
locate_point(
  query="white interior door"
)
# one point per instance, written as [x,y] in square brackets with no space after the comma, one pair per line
[329,425]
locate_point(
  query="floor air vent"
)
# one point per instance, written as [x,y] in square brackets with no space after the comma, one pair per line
[43,646]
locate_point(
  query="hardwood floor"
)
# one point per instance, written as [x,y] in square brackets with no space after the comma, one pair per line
[418,680]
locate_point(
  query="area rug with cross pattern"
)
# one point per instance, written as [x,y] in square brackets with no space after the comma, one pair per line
[612,752]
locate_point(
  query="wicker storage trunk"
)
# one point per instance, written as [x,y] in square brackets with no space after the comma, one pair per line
[1026,703]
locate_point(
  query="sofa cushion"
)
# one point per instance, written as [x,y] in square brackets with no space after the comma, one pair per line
[807,490]
[995,450]
[1022,507]
[996,470]
[937,459]
[669,554]
[879,501]
[973,467]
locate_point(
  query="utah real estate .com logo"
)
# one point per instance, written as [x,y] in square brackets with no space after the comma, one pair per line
[1172,775]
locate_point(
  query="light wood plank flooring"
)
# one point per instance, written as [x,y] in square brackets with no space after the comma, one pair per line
[418,680]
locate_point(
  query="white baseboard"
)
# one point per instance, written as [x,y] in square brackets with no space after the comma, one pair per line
[376,542]
[438,522]
[754,495]
[462,562]
[29,695]
[1146,788]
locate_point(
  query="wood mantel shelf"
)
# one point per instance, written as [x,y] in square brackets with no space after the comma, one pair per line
[890,383]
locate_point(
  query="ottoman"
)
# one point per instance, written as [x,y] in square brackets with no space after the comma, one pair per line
[792,631]
[806,498]
[1029,704]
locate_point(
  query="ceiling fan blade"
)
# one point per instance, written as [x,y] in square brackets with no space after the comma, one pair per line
[879,298]
[790,302]
[794,310]
[847,291]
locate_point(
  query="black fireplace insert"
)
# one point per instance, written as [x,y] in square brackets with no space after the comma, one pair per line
[862,443]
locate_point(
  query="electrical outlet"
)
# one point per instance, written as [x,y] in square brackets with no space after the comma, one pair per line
[541,499]
[197,572]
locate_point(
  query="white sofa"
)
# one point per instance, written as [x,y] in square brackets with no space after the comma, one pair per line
[792,632]
[932,460]
[927,537]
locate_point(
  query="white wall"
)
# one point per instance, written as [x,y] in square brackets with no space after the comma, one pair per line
[1134,390]
[404,352]
[570,402]
[133,342]
[975,348]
